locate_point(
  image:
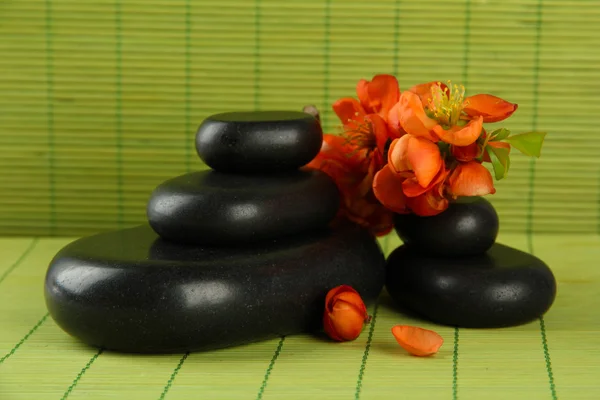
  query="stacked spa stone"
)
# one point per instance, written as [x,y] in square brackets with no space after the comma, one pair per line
[451,271]
[255,191]
[235,254]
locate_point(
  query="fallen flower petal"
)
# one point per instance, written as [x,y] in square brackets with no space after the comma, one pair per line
[345,314]
[417,341]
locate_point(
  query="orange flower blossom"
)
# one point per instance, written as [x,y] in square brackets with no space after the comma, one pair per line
[417,150]
[345,314]
[353,158]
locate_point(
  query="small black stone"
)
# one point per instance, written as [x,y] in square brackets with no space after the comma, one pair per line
[468,227]
[259,141]
[503,287]
[211,207]
[131,291]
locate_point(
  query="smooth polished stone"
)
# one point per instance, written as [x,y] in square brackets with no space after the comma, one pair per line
[131,291]
[468,227]
[210,207]
[500,288]
[258,141]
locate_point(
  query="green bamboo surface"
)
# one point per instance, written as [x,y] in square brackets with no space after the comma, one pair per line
[552,358]
[100,99]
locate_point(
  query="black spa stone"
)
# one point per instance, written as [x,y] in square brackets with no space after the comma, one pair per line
[210,207]
[131,291]
[468,227]
[259,141]
[503,287]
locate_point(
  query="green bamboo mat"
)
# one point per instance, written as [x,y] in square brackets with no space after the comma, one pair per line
[557,357]
[99,99]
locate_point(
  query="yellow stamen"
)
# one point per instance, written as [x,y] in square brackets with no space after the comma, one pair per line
[447,104]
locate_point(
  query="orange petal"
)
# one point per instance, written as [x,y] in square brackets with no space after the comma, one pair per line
[427,205]
[424,91]
[410,153]
[461,135]
[340,149]
[332,293]
[397,158]
[329,328]
[362,90]
[379,95]
[346,321]
[430,203]
[471,179]
[500,145]
[466,153]
[354,299]
[348,110]
[393,121]
[490,108]
[345,313]
[411,187]
[417,341]
[387,187]
[424,159]
[412,117]
[380,131]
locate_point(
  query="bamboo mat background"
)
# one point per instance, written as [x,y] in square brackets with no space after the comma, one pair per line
[553,358]
[99,102]
[100,99]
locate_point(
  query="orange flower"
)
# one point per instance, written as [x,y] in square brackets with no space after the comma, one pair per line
[414,177]
[379,95]
[387,187]
[415,154]
[414,151]
[345,314]
[409,115]
[437,112]
[417,341]
[470,179]
[401,192]
[352,160]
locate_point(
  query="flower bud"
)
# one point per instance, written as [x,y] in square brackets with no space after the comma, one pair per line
[345,314]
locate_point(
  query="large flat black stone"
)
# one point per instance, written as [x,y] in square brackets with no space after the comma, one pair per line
[500,288]
[258,141]
[131,291]
[210,207]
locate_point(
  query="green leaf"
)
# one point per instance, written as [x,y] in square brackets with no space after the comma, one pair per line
[500,134]
[500,161]
[529,143]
